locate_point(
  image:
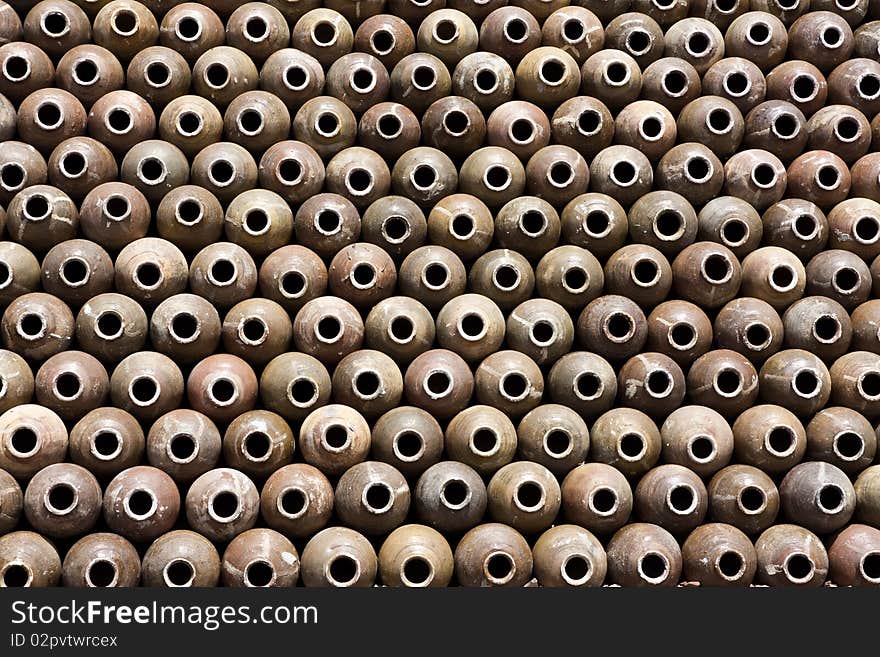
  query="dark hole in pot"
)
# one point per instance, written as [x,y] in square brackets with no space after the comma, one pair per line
[223,271]
[653,566]
[781,439]
[529,494]
[367,383]
[485,440]
[847,279]
[62,497]
[472,325]
[702,448]
[439,383]
[402,328]
[217,75]
[336,436]
[436,275]
[681,498]
[343,569]
[730,564]
[417,570]
[106,443]
[293,501]
[424,77]
[68,385]
[256,27]
[849,444]
[73,164]
[256,221]
[799,567]
[620,325]
[514,385]
[378,496]
[324,33]
[225,504]
[141,502]
[729,381]
[752,498]
[588,385]
[102,573]
[182,446]
[157,73]
[389,126]
[631,445]
[329,328]
[499,566]
[223,390]
[259,573]
[675,82]
[152,170]
[75,271]
[148,274]
[257,445]
[144,389]
[557,442]
[659,382]
[455,492]
[683,335]
[303,391]
[522,130]
[409,444]
[717,268]
[184,326]
[604,500]
[16,576]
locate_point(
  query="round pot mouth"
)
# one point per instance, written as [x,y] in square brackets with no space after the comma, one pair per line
[588,386]
[603,501]
[179,573]
[293,502]
[702,449]
[653,567]
[417,572]
[259,573]
[16,574]
[342,570]
[367,384]
[336,438]
[144,390]
[438,384]
[557,443]
[408,446]
[730,565]
[105,444]
[324,34]
[848,446]
[798,568]
[182,448]
[576,569]
[632,446]
[223,391]
[751,500]
[514,386]
[499,567]
[378,498]
[224,506]
[61,499]
[101,573]
[530,496]
[682,499]
[780,441]
[140,504]
[484,442]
